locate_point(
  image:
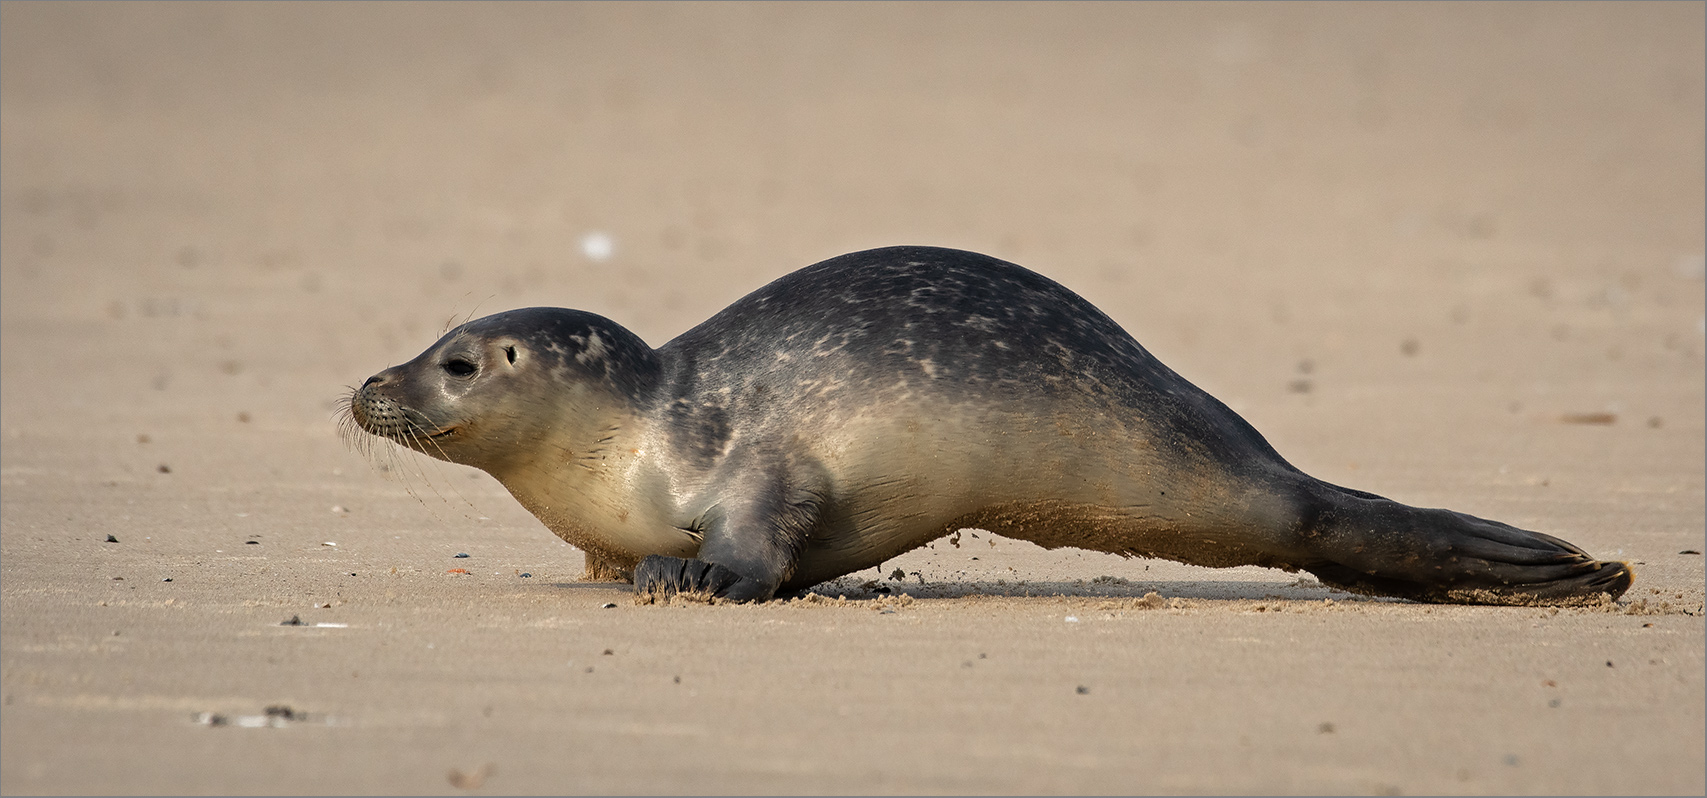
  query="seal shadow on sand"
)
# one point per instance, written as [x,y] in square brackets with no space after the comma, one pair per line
[1103,587]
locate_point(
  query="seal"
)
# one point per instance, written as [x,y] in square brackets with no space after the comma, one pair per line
[866,405]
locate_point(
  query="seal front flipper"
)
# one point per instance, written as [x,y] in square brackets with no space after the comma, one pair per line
[659,577]
[753,537]
[1377,546]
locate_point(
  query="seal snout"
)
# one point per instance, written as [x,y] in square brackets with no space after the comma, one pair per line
[379,414]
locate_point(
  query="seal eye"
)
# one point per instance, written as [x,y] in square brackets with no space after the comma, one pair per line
[510,352]
[459,367]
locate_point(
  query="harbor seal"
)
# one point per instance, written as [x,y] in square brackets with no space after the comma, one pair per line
[866,405]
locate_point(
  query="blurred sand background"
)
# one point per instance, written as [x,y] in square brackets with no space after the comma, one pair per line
[1449,253]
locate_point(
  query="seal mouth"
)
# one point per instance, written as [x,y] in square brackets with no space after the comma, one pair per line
[443,433]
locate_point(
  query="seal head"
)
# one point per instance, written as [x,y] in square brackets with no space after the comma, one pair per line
[538,398]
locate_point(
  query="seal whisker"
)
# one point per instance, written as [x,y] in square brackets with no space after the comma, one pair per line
[391,430]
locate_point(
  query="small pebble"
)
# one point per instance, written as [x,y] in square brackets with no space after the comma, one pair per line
[530,576]
[111,539]
[1072,619]
[295,620]
[164,469]
[1082,690]
[609,606]
[251,542]
[168,579]
[461,555]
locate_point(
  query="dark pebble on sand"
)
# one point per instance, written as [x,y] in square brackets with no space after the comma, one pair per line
[165,469]
[295,620]
[609,606]
[1685,551]
[167,579]
[609,652]
[111,539]
[528,576]
[461,555]
[1082,690]
[251,542]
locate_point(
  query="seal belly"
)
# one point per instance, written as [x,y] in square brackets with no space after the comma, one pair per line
[1092,479]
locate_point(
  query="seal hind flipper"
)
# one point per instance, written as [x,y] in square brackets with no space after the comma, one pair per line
[1373,545]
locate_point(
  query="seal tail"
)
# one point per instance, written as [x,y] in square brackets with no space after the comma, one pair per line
[1373,545]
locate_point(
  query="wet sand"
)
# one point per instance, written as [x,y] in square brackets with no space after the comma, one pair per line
[1452,254]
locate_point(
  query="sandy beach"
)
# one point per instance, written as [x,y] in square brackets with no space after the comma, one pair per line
[1448,253]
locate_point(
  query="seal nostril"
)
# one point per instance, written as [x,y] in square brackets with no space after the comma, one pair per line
[510,352]
[374,380]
